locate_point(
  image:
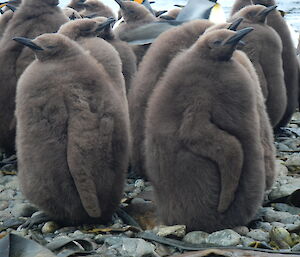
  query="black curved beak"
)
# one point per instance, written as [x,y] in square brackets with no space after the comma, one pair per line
[106,24]
[158,13]
[120,3]
[234,40]
[233,26]
[263,14]
[11,7]
[27,42]
[179,5]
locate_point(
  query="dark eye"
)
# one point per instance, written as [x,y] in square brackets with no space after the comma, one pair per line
[217,42]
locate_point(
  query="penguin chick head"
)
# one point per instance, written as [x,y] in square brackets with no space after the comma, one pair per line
[264,2]
[104,29]
[231,26]
[219,45]
[79,28]
[92,5]
[132,11]
[71,13]
[255,13]
[46,2]
[51,46]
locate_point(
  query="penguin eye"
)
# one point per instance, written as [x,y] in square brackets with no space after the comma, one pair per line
[217,42]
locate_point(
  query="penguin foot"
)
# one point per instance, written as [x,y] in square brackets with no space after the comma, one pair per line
[35,220]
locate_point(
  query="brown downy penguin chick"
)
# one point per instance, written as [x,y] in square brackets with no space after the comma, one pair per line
[4,20]
[171,15]
[289,59]
[95,8]
[264,49]
[72,133]
[239,4]
[84,32]
[32,18]
[71,13]
[266,132]
[204,156]
[76,5]
[134,15]
[151,69]
[125,51]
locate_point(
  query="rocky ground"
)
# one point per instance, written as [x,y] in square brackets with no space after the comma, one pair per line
[277,225]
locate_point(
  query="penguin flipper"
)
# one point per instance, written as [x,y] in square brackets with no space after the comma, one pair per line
[209,141]
[85,155]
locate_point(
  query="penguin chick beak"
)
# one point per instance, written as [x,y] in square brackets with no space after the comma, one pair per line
[27,42]
[157,14]
[263,14]
[11,7]
[106,24]
[233,26]
[120,3]
[234,40]
[179,5]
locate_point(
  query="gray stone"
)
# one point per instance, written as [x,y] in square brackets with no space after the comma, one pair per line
[296,248]
[282,147]
[246,241]
[225,237]
[285,188]
[283,217]
[293,160]
[3,205]
[49,227]
[139,183]
[134,247]
[281,169]
[7,194]
[177,230]
[100,239]
[196,237]
[23,210]
[266,226]
[285,207]
[259,235]
[242,230]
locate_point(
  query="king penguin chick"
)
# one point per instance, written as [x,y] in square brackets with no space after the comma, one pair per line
[32,18]
[134,15]
[84,32]
[71,13]
[5,18]
[266,132]
[76,5]
[204,156]
[95,8]
[72,133]
[151,69]
[264,49]
[289,59]
[239,4]
[125,51]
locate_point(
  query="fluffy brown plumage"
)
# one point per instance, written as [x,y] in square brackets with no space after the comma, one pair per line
[264,49]
[32,18]
[72,134]
[289,58]
[71,13]
[204,155]
[84,32]
[125,51]
[76,5]
[151,69]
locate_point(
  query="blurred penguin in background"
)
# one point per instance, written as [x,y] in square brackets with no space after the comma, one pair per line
[76,5]
[71,13]
[203,146]
[32,18]
[125,51]
[72,133]
[95,8]
[134,15]
[150,71]
[6,17]
[264,49]
[289,59]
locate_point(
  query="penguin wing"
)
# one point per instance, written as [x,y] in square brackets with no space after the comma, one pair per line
[146,34]
[202,137]
[89,145]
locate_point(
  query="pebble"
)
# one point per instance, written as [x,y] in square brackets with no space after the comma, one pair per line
[196,237]
[178,231]
[49,227]
[246,241]
[23,210]
[133,247]
[293,160]
[225,237]
[259,235]
[281,169]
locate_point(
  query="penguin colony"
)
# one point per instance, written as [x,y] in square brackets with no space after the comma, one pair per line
[196,117]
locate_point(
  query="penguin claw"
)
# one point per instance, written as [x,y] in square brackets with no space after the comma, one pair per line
[35,220]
